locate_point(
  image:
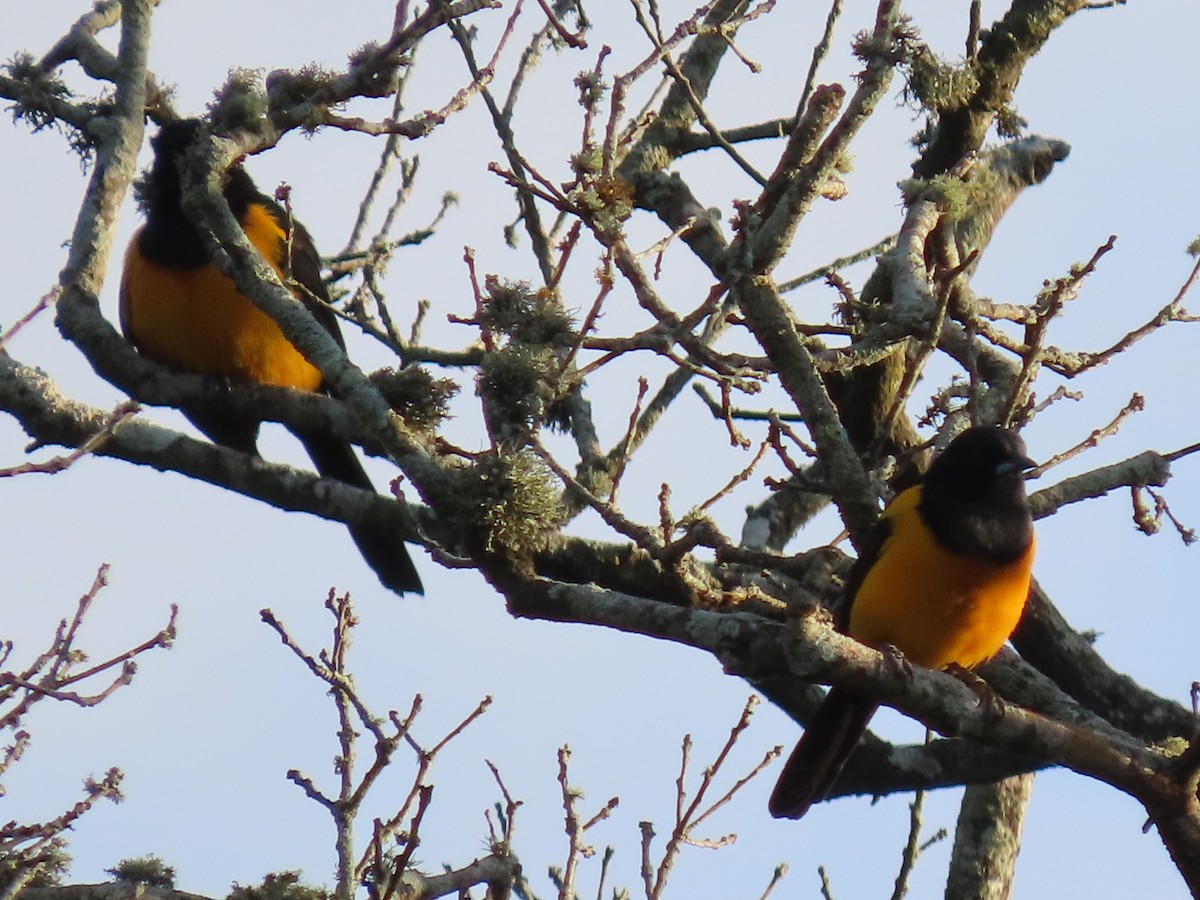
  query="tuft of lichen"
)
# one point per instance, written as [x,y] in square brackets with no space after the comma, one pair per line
[240,103]
[374,69]
[37,94]
[278,886]
[48,864]
[525,315]
[892,49]
[588,162]
[1172,746]
[39,90]
[287,89]
[521,375]
[312,79]
[505,503]
[654,159]
[147,870]
[412,392]
[591,89]
[955,196]
[364,55]
[605,202]
[519,383]
[937,84]
[1009,123]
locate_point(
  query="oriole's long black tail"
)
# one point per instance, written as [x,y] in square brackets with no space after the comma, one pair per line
[229,431]
[820,754]
[383,551]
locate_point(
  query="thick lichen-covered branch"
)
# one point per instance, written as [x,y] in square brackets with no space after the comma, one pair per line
[996,70]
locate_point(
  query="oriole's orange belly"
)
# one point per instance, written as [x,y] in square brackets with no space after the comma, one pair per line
[195,319]
[935,606]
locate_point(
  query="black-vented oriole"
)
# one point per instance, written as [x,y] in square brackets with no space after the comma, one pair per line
[178,308]
[943,578]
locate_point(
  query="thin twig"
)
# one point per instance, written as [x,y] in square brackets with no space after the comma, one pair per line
[880,246]
[121,414]
[1136,404]
[819,53]
[44,302]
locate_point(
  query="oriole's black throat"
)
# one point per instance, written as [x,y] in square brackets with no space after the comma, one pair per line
[178,308]
[943,578]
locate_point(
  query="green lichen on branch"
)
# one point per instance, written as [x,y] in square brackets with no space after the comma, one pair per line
[49,864]
[147,870]
[288,89]
[519,385]
[375,69]
[524,315]
[240,103]
[591,89]
[1004,50]
[956,197]
[505,503]
[892,49]
[420,399]
[937,84]
[40,89]
[278,886]
[521,376]
[1010,123]
[604,201]
[42,100]
[939,88]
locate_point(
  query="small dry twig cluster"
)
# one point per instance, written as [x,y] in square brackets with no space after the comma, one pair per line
[385,866]
[63,672]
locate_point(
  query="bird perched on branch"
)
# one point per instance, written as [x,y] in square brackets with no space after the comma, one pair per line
[178,308]
[943,578]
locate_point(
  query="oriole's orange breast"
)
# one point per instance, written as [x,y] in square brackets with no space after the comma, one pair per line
[937,607]
[197,320]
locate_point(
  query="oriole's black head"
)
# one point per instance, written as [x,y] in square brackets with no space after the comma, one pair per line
[162,189]
[973,496]
[175,137]
[170,236]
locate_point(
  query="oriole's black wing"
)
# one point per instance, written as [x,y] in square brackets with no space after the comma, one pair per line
[840,720]
[333,458]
